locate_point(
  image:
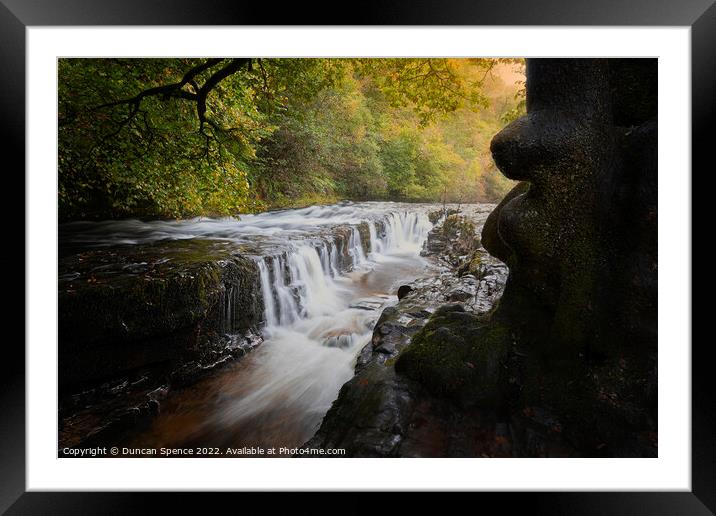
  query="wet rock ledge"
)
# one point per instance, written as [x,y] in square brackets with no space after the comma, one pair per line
[135,321]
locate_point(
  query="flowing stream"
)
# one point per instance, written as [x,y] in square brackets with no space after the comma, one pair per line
[322,297]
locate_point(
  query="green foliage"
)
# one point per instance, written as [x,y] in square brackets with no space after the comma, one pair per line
[520,107]
[429,85]
[135,141]
[154,162]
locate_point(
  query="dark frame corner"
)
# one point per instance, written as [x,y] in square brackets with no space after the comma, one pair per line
[17,15]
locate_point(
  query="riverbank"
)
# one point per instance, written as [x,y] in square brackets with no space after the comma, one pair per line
[382,413]
[172,300]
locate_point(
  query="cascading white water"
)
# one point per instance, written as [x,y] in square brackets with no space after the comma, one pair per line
[376,244]
[324,255]
[316,290]
[314,332]
[267,294]
[355,247]
[287,307]
[333,255]
[312,268]
[406,230]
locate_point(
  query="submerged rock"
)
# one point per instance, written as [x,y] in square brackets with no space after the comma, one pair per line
[404,290]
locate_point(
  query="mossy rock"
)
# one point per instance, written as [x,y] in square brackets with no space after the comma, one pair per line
[458,355]
[457,224]
[126,307]
[461,234]
[434,216]
[471,266]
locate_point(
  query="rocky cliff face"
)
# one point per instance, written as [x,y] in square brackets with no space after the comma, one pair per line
[580,239]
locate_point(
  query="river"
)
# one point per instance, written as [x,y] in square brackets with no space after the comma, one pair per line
[319,312]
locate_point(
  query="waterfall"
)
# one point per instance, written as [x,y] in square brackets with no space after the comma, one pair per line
[317,291]
[376,245]
[333,254]
[301,285]
[355,247]
[405,231]
[322,296]
[288,309]
[324,254]
[267,294]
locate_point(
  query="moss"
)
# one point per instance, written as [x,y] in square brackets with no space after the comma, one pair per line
[141,304]
[455,225]
[472,265]
[458,355]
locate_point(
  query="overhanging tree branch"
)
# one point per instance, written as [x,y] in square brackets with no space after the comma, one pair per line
[231,68]
[176,90]
[166,90]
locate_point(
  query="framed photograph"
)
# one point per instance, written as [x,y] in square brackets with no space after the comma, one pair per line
[443,248]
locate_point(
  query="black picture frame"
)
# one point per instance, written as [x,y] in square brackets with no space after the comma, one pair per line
[17,15]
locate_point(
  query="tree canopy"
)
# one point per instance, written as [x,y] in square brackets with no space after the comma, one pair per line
[222,136]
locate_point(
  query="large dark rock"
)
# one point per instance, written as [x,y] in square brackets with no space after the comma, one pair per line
[404,290]
[138,321]
[581,240]
[581,246]
[457,354]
